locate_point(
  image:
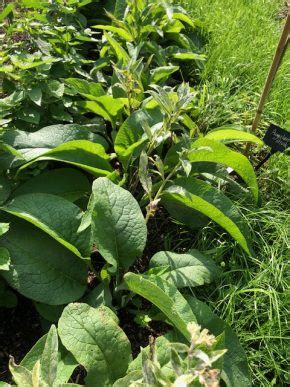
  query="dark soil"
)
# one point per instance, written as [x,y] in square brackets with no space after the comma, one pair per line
[19,330]
[139,336]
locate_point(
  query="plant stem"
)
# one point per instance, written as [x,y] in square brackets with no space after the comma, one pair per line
[159,192]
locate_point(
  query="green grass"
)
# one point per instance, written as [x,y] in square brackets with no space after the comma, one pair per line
[243,36]
[251,295]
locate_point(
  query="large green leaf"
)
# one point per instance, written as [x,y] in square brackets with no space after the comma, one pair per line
[162,73]
[41,268]
[235,366]
[210,151]
[131,138]
[56,216]
[228,134]
[197,195]
[32,145]
[185,270]
[119,51]
[81,153]
[122,32]
[66,363]
[118,225]
[165,296]
[93,336]
[68,183]
[89,90]
[105,106]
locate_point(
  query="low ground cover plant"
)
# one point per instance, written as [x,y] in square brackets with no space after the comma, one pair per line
[98,140]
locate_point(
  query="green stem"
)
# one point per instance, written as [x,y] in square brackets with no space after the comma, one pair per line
[160,190]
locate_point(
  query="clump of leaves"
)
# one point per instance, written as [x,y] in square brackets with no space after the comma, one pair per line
[190,365]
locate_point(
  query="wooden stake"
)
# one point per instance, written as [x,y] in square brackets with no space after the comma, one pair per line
[280,51]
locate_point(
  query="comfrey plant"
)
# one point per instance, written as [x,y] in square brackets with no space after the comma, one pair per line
[92,187]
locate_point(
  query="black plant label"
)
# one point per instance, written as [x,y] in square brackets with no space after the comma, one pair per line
[277,138]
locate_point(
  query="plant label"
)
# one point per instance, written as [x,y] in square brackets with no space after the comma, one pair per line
[277,138]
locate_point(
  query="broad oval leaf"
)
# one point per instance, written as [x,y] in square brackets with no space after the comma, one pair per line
[54,215]
[118,226]
[235,371]
[131,138]
[186,270]
[197,195]
[210,151]
[162,73]
[165,296]
[81,153]
[227,135]
[89,90]
[41,268]
[93,336]
[204,149]
[105,106]
[35,144]
[68,183]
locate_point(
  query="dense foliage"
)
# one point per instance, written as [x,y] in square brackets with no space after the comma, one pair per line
[98,136]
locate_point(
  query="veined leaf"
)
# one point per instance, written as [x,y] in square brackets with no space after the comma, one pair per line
[93,336]
[81,153]
[186,270]
[66,362]
[54,215]
[204,149]
[105,106]
[228,135]
[197,195]
[32,145]
[122,32]
[119,51]
[118,225]
[68,183]
[89,90]
[235,366]
[165,296]
[41,268]
[49,358]
[162,73]
[130,138]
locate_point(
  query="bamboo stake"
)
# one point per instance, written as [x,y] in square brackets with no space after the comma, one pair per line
[280,51]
